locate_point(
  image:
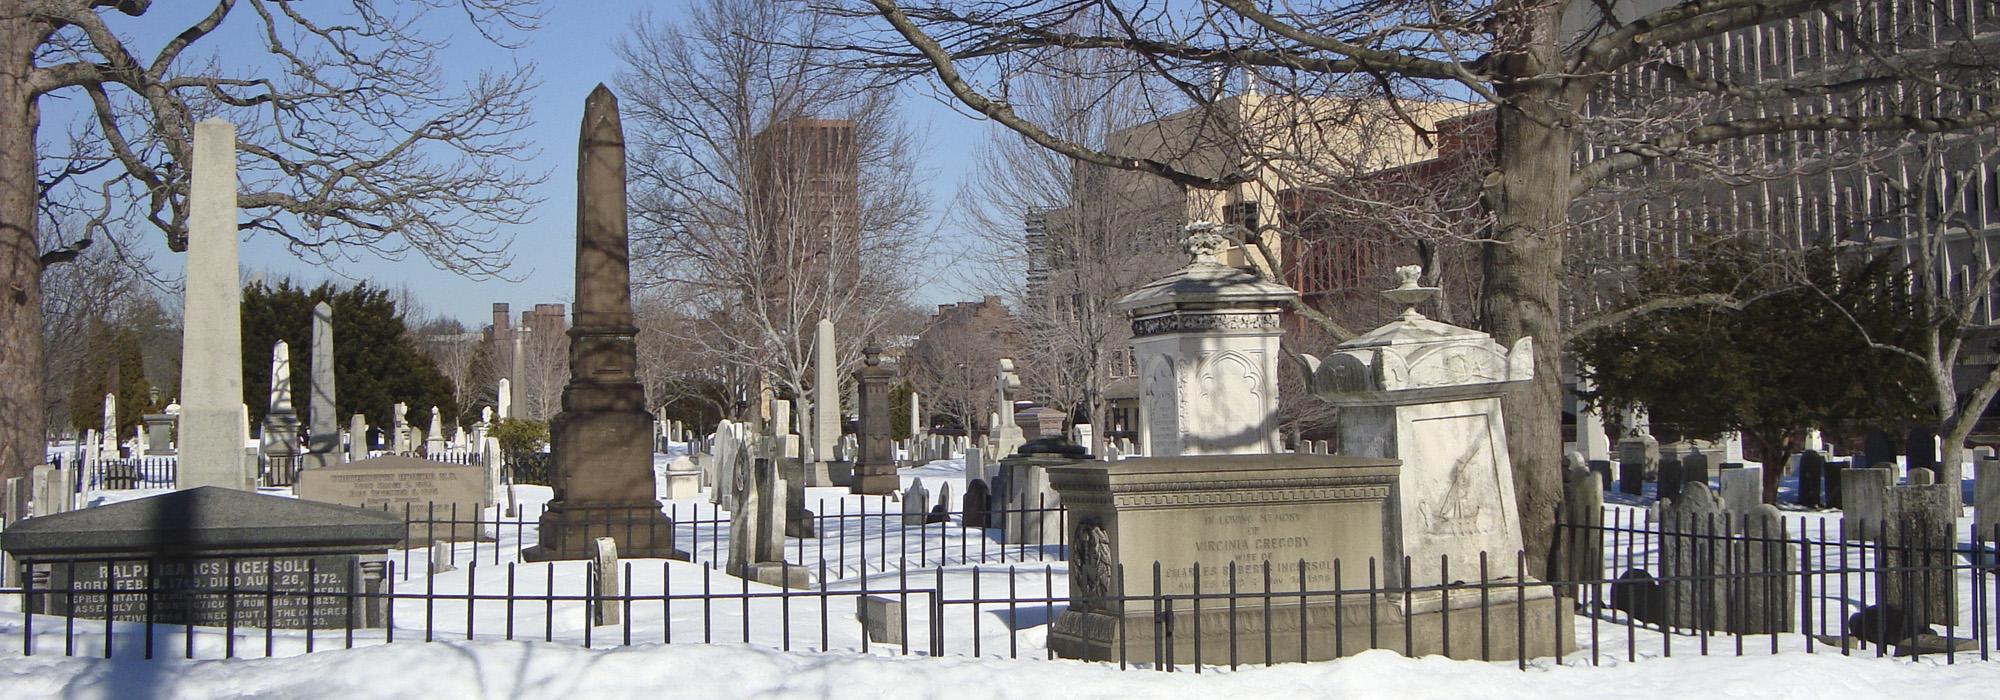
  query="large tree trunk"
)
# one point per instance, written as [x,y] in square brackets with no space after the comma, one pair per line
[1528,195]
[22,427]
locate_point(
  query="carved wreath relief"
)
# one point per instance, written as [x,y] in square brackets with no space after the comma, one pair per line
[1090,563]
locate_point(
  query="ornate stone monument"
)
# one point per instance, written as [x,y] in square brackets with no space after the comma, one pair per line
[875,470]
[1003,434]
[212,432]
[601,442]
[1206,340]
[1428,393]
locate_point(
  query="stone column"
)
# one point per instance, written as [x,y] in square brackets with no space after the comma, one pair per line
[211,423]
[281,421]
[357,437]
[601,442]
[916,417]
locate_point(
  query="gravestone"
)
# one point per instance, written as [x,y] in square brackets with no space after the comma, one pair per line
[978,500]
[1632,467]
[1920,447]
[1877,449]
[605,579]
[1919,550]
[295,563]
[1033,509]
[826,406]
[212,431]
[444,501]
[875,468]
[600,444]
[1742,491]
[1669,484]
[1831,480]
[1986,499]
[1762,573]
[757,529]
[159,434]
[357,437]
[1603,469]
[941,512]
[916,504]
[1811,467]
[1695,468]
[1864,499]
[683,479]
[975,465]
[1692,530]
[1583,540]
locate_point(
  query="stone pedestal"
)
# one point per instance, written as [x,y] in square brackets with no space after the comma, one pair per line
[1177,526]
[1031,509]
[159,434]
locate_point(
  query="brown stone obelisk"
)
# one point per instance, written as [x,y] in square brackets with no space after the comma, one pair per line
[601,442]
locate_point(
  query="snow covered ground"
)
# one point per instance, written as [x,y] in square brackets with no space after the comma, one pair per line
[828,656]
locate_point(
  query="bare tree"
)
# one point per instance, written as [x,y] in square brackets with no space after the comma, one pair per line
[768,192]
[1862,67]
[951,365]
[673,372]
[350,140]
[545,368]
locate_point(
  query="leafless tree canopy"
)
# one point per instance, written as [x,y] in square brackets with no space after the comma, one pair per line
[1698,89]
[768,191]
[351,138]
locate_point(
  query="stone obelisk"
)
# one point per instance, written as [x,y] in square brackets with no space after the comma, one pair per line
[601,442]
[323,440]
[826,405]
[281,421]
[211,421]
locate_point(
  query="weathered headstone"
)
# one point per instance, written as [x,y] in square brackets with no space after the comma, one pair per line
[757,529]
[1583,511]
[604,576]
[1920,447]
[977,502]
[1742,491]
[1632,467]
[444,501]
[357,437]
[916,503]
[1831,478]
[600,443]
[1670,483]
[176,553]
[1919,550]
[1877,449]
[1695,468]
[1762,575]
[1864,500]
[211,423]
[1692,530]
[1812,467]
[1986,499]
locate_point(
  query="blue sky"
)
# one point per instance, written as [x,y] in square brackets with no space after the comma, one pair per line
[573,52]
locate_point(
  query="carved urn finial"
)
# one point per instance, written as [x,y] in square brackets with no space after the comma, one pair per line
[1410,293]
[1203,242]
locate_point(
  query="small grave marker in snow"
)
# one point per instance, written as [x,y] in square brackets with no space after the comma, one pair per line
[604,570]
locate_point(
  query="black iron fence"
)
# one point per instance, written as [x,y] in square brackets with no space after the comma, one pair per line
[132,473]
[1709,587]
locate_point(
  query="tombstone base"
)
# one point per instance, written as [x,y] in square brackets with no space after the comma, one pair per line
[1332,629]
[878,480]
[570,531]
[839,474]
[773,573]
[818,474]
